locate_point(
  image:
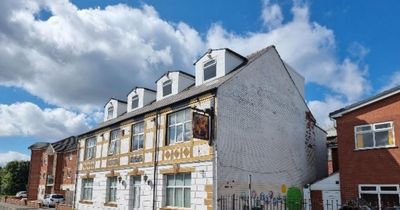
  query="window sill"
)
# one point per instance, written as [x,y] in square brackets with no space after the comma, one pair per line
[86,202]
[374,148]
[111,204]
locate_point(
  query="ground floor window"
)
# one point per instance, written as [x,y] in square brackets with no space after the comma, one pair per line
[178,190]
[87,189]
[111,189]
[380,196]
[135,190]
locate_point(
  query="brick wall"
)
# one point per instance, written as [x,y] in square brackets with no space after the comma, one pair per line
[375,166]
[69,165]
[34,174]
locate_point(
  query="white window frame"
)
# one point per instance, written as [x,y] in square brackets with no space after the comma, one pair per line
[114,142]
[176,124]
[110,112]
[135,98]
[135,188]
[174,187]
[87,188]
[165,83]
[137,135]
[208,64]
[378,191]
[110,187]
[90,151]
[373,131]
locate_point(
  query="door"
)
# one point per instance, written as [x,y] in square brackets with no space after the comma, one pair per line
[331,200]
[135,192]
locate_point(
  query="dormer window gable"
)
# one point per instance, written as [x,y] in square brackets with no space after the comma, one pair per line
[140,97]
[114,108]
[216,63]
[173,82]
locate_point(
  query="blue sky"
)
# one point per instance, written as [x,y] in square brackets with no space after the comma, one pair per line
[58,59]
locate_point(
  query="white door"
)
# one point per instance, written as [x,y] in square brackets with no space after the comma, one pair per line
[331,200]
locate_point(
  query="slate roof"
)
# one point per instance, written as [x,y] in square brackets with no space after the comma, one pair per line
[65,145]
[361,103]
[39,145]
[190,92]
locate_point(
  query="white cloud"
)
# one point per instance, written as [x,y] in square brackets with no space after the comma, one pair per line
[321,110]
[27,119]
[271,15]
[81,57]
[10,156]
[393,80]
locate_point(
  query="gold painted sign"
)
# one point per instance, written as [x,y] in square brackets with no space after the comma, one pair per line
[201,126]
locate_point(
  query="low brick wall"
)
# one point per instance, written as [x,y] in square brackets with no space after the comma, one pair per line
[16,201]
[64,207]
[35,204]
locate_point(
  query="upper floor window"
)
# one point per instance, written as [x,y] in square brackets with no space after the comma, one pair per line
[167,87]
[374,135]
[90,151]
[210,69]
[110,112]
[135,102]
[137,136]
[113,147]
[179,126]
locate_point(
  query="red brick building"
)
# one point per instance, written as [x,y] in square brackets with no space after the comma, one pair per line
[53,169]
[368,135]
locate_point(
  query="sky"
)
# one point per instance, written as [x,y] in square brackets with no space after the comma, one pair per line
[61,60]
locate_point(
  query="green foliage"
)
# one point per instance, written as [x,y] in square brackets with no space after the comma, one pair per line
[294,198]
[14,177]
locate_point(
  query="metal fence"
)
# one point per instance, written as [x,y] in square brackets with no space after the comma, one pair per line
[235,202]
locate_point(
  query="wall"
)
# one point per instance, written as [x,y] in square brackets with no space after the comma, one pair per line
[261,129]
[34,174]
[375,166]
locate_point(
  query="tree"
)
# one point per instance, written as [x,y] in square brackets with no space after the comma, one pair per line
[14,177]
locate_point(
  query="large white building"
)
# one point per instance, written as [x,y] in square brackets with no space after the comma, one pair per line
[196,138]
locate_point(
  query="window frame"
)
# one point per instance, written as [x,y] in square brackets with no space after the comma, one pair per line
[378,191]
[110,110]
[135,98]
[117,142]
[92,147]
[85,187]
[169,81]
[207,65]
[168,140]
[174,187]
[373,130]
[109,187]
[133,134]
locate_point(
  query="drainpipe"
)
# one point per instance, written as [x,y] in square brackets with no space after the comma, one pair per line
[156,149]
[76,173]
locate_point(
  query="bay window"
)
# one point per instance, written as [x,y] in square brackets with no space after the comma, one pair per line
[179,126]
[374,135]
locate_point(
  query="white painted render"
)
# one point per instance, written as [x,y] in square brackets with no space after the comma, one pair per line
[297,78]
[261,128]
[145,97]
[179,80]
[226,62]
[119,108]
[329,183]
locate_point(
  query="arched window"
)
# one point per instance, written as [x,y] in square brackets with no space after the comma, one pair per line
[110,113]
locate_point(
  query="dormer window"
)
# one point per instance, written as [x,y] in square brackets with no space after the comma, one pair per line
[167,88]
[110,112]
[135,102]
[210,69]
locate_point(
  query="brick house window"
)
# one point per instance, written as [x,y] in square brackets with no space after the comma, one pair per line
[376,135]
[111,189]
[178,190]
[380,196]
[137,136]
[113,147]
[179,126]
[90,149]
[87,189]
